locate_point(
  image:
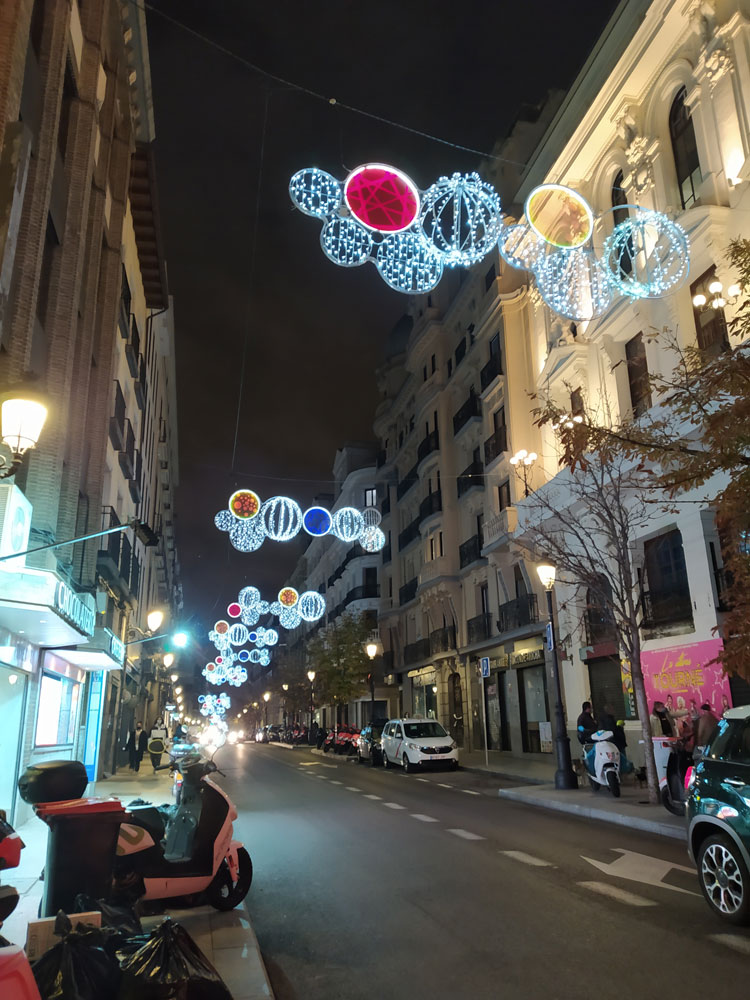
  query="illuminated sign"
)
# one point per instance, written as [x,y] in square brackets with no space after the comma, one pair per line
[72,609]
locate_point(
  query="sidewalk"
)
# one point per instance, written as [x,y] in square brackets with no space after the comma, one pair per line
[227,939]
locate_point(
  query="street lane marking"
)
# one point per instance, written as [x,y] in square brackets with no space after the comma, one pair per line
[443,785]
[527,859]
[469,791]
[323,777]
[621,895]
[425,779]
[734,941]
[393,805]
[375,798]
[351,788]
[642,868]
[466,835]
[334,782]
[423,818]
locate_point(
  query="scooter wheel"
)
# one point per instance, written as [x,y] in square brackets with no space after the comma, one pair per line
[614,784]
[223,893]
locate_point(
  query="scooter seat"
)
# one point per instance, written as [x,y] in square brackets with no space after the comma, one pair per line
[151,818]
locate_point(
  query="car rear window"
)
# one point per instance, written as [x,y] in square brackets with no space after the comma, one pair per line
[418,730]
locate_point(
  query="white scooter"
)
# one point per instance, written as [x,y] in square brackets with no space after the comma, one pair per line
[601,758]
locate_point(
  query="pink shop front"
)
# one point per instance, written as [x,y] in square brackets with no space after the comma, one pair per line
[684,678]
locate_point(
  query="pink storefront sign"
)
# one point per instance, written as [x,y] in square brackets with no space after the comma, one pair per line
[683,677]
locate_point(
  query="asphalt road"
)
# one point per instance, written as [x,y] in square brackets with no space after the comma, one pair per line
[372,883]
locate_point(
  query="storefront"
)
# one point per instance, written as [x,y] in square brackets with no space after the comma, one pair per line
[18,660]
[424,693]
[536,736]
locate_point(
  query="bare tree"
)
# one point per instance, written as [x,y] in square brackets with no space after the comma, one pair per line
[586,521]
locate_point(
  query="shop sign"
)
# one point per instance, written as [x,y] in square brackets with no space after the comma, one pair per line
[626,673]
[72,609]
[116,649]
[529,656]
[683,675]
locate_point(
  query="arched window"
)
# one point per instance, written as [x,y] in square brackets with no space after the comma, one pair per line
[684,149]
[620,214]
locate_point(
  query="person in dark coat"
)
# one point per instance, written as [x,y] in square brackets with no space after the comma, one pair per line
[136,746]
[586,723]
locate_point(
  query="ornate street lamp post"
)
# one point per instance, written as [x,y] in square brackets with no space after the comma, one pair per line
[311,678]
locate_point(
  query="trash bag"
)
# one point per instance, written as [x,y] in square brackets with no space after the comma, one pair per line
[170,966]
[119,916]
[79,967]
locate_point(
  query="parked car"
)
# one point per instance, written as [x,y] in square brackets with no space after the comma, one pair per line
[369,744]
[718,811]
[416,743]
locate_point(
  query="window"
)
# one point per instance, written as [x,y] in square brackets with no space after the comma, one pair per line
[710,324]
[621,214]
[450,367]
[371,497]
[576,402]
[495,345]
[605,685]
[432,547]
[519,582]
[684,150]
[433,363]
[503,495]
[498,419]
[58,710]
[664,560]
[640,389]
[440,543]
[489,278]
[424,374]
[731,741]
[484,599]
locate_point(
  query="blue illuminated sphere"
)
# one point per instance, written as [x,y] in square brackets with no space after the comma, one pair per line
[243,656]
[316,521]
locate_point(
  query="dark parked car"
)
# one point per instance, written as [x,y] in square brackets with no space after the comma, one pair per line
[718,811]
[369,746]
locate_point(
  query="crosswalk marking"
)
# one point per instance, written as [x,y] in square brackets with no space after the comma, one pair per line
[393,805]
[375,798]
[466,835]
[734,941]
[613,892]
[423,818]
[527,859]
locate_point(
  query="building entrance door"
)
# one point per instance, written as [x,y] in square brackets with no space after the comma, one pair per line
[456,708]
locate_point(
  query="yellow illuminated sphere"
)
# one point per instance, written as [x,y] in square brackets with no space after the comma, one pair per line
[244,504]
[288,597]
[559,215]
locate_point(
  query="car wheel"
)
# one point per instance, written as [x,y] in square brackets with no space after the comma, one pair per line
[724,879]
[614,784]
[386,762]
[406,765]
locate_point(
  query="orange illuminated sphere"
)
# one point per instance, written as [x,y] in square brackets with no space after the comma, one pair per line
[288,597]
[244,504]
[221,627]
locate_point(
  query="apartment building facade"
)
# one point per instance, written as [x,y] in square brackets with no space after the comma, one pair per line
[75,96]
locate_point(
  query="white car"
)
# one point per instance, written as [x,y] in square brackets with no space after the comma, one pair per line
[413,743]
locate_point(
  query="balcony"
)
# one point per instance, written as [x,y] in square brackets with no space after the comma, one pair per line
[135,484]
[470,410]
[600,628]
[472,478]
[428,445]
[133,348]
[492,370]
[663,608]
[139,386]
[126,455]
[443,640]
[515,614]
[386,554]
[408,592]
[500,527]
[362,593]
[480,628]
[460,351]
[495,445]
[385,505]
[410,479]
[470,551]
[416,651]
[114,561]
[436,569]
[117,420]
[432,504]
[409,534]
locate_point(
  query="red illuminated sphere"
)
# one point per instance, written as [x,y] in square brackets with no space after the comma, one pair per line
[234,611]
[381,198]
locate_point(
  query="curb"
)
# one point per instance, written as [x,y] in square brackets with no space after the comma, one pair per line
[592,812]
[523,778]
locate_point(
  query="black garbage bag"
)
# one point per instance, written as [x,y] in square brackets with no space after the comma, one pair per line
[120,916]
[170,966]
[79,967]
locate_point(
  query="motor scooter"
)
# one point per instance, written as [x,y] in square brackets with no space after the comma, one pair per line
[185,850]
[672,763]
[601,758]
[11,846]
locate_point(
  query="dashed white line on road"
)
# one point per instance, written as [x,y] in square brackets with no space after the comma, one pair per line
[469,791]
[375,798]
[423,818]
[734,941]
[621,895]
[442,784]
[527,859]
[323,777]
[351,788]
[466,834]
[424,779]
[334,782]
[393,805]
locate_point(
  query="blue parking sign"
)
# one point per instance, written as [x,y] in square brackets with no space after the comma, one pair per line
[484,662]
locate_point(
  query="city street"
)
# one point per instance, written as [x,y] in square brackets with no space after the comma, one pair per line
[371,882]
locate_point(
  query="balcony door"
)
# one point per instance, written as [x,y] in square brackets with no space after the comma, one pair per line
[456,708]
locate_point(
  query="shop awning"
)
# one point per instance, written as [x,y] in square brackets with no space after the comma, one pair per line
[44,609]
[104,651]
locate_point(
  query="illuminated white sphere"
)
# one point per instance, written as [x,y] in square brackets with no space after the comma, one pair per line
[647,255]
[282,518]
[345,242]
[461,217]
[238,634]
[247,536]
[248,597]
[574,284]
[408,264]
[255,656]
[372,539]
[275,607]
[270,637]
[347,524]
[264,657]
[312,606]
[225,520]
[520,247]
[250,616]
[264,607]
[290,617]
[315,192]
[371,517]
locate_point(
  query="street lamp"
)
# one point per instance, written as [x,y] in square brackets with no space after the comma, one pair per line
[311,678]
[22,416]
[168,660]
[172,677]
[525,459]
[565,777]
[285,688]
[373,647]
[266,699]
[154,620]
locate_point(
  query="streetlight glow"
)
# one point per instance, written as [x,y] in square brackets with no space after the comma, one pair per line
[22,418]
[546,573]
[180,639]
[168,660]
[267,696]
[154,620]
[311,675]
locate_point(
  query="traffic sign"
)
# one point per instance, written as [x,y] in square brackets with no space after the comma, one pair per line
[484,662]
[550,635]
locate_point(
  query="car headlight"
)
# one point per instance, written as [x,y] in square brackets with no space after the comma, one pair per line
[413,746]
[454,745]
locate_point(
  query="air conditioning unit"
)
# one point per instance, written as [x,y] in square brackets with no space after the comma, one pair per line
[15,525]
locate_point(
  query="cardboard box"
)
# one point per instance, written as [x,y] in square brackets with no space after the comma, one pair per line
[41,933]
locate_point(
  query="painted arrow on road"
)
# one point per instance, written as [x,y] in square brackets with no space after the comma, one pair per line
[641,868]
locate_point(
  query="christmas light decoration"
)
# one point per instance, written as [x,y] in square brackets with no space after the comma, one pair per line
[647,255]
[462,218]
[371,517]
[243,656]
[282,518]
[316,521]
[288,597]
[520,247]
[346,243]
[248,597]
[290,617]
[315,192]
[247,536]
[312,606]
[234,610]
[407,264]
[381,198]
[559,216]
[574,284]
[347,524]
[244,504]
[238,634]
[214,704]
[372,539]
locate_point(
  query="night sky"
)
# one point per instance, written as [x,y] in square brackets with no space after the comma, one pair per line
[316,332]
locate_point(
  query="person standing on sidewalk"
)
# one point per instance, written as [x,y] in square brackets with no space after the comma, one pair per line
[157,742]
[136,746]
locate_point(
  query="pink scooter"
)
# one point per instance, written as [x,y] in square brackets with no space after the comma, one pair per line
[164,852]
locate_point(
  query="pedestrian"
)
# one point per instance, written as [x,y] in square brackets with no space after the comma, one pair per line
[586,723]
[662,720]
[321,737]
[608,721]
[704,728]
[157,742]
[136,746]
